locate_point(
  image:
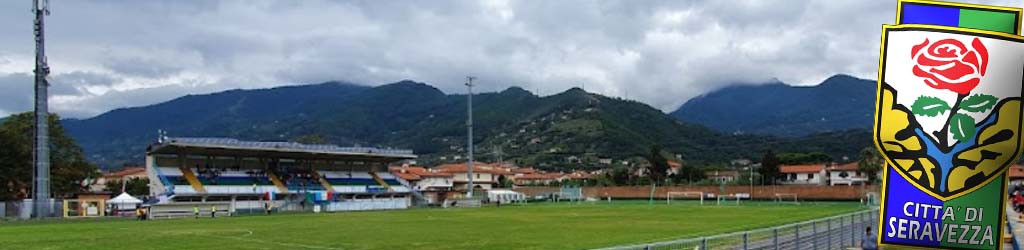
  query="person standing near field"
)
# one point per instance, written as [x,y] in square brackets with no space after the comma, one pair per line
[213,212]
[869,241]
[195,210]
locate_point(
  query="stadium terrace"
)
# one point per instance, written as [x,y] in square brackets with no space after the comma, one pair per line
[247,175]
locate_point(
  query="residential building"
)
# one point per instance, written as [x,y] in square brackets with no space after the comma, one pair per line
[127,173]
[526,170]
[431,183]
[577,177]
[674,167]
[537,179]
[483,175]
[803,174]
[722,176]
[424,179]
[846,174]
[1016,175]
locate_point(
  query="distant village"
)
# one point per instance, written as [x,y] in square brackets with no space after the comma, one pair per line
[487,176]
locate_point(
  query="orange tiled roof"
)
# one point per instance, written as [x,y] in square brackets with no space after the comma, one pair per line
[434,174]
[524,171]
[1016,171]
[579,175]
[125,172]
[674,164]
[407,168]
[801,168]
[408,176]
[536,176]
[415,173]
[478,167]
[853,166]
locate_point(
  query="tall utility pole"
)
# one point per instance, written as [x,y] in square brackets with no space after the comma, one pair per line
[41,152]
[469,139]
[751,168]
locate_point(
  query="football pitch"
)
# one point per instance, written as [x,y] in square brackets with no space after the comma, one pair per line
[534,226]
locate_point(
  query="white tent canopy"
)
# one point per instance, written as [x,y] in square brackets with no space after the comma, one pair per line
[505,196]
[124,199]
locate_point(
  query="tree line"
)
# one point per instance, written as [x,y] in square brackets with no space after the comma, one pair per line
[656,171]
[69,170]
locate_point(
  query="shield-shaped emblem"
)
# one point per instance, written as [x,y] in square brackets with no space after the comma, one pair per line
[948,116]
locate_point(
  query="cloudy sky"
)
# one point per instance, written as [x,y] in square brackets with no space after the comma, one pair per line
[107,54]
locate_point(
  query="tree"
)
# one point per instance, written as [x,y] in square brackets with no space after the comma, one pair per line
[504,182]
[691,174]
[769,167]
[659,165]
[803,158]
[619,176]
[870,163]
[135,186]
[68,167]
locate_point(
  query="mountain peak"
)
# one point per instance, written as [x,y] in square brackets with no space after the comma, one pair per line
[516,90]
[336,82]
[576,91]
[410,86]
[407,81]
[840,102]
[841,79]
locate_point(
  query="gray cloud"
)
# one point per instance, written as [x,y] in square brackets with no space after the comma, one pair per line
[109,54]
[16,93]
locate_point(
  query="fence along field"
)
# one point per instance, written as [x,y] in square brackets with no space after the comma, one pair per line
[579,225]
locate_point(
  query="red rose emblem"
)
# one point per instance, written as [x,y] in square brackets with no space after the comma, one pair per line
[949,64]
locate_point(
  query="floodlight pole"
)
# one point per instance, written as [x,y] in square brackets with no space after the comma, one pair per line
[751,168]
[469,139]
[41,152]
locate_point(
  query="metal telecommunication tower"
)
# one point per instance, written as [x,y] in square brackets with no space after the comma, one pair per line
[469,140]
[41,153]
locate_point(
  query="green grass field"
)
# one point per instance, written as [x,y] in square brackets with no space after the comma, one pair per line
[535,226]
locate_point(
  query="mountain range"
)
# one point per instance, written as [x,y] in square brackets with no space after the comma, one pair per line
[571,129]
[841,102]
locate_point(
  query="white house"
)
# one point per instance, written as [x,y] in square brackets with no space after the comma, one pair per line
[424,179]
[483,175]
[803,174]
[720,176]
[536,179]
[124,174]
[1016,174]
[846,174]
[432,184]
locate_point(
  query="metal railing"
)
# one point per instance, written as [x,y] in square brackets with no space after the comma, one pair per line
[837,232]
[1015,243]
[415,192]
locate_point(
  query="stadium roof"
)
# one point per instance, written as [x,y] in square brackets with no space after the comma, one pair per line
[286,150]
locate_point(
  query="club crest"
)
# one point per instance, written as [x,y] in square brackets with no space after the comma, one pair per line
[948,116]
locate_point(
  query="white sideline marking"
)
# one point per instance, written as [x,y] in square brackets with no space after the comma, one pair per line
[250,233]
[275,243]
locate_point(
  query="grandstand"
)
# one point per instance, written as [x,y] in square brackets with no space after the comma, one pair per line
[286,176]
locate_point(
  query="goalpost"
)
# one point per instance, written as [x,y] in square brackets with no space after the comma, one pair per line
[786,197]
[871,199]
[727,197]
[690,194]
